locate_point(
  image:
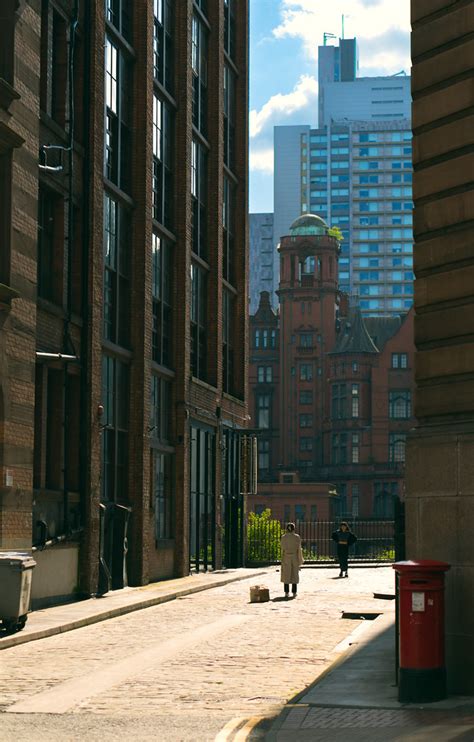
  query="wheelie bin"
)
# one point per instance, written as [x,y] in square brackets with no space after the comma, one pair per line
[16,571]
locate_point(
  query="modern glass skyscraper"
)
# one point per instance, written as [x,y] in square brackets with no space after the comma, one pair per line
[355,171]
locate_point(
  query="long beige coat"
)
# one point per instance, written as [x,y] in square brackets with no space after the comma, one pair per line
[291,558]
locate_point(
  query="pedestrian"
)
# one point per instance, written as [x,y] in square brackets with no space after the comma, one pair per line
[344,538]
[291,559]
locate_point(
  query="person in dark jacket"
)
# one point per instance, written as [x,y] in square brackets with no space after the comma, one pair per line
[344,538]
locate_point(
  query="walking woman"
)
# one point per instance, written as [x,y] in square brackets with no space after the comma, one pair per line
[344,538]
[291,559]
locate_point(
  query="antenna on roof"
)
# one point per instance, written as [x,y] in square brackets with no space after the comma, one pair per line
[327,35]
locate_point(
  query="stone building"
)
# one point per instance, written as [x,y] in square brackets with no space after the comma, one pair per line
[440,454]
[123,329]
[330,390]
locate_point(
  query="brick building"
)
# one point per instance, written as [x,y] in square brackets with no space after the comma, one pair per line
[330,390]
[123,329]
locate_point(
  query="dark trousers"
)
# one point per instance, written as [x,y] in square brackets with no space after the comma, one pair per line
[342,557]
[287,588]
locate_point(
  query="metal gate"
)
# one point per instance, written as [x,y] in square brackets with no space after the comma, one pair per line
[375,540]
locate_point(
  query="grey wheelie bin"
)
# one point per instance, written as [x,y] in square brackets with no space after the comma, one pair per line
[16,571]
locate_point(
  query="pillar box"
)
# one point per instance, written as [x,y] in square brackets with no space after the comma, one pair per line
[422,671]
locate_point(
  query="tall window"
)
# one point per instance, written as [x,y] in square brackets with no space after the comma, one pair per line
[355,500]
[338,402]
[53,77]
[229,117]
[228,302]
[399,403]
[306,339]
[306,420]
[198,321]
[162,494]
[339,448]
[116,272]
[265,374]
[300,513]
[341,502]
[115,398]
[120,16]
[399,360]
[306,443]
[160,395]
[162,282]
[118,89]
[7,35]
[306,371]
[199,68]
[397,447]
[163,44]
[228,225]
[50,245]
[263,411]
[355,400]
[199,199]
[229,27]
[5,217]
[384,494]
[355,448]
[162,183]
[306,396]
[263,456]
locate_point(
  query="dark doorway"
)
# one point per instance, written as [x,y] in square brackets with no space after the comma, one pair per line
[232,499]
[202,498]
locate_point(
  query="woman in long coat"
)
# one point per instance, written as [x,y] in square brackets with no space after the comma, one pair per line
[291,559]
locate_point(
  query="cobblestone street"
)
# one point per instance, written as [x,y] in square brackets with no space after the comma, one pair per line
[182,670]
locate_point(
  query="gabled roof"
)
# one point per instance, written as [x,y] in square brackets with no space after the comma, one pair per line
[353,336]
[265,311]
[381,329]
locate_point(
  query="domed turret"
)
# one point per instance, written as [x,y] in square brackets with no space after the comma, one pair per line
[308,224]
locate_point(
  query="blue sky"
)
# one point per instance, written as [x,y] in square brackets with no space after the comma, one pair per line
[284,39]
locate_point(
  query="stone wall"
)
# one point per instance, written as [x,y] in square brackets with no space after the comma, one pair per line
[440,481]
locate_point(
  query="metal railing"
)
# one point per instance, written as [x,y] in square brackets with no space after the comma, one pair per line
[375,541]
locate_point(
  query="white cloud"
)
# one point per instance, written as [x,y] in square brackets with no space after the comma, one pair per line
[298,106]
[284,105]
[368,20]
[261,160]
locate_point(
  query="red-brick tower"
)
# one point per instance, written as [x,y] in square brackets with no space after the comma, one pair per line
[309,300]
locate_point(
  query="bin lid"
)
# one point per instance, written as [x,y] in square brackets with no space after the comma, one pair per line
[16,559]
[421,565]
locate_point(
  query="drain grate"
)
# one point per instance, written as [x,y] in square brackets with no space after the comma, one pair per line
[358,615]
[384,596]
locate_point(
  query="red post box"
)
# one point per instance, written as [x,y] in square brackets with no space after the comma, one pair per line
[422,671]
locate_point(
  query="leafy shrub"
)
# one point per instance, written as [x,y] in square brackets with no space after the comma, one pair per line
[263,537]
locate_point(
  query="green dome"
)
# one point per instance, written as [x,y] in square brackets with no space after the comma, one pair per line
[308,224]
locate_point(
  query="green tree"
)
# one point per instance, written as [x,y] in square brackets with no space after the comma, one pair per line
[263,537]
[335,232]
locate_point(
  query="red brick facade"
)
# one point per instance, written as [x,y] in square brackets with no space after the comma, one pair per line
[331,392]
[99,396]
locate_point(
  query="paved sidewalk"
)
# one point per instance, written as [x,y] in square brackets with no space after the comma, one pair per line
[58,619]
[357,700]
